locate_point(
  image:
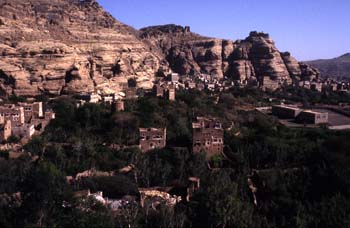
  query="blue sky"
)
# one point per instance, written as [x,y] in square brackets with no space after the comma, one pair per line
[309,29]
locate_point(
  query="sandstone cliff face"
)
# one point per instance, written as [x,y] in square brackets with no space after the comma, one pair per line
[72,46]
[69,46]
[255,57]
[186,52]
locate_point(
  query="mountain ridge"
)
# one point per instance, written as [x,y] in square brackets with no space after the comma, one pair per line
[336,68]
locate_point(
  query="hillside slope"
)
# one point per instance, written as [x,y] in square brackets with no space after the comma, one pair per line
[337,68]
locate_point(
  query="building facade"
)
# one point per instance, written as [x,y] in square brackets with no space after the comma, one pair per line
[152,138]
[159,90]
[208,136]
[14,114]
[285,112]
[24,131]
[32,110]
[313,117]
[172,93]
[24,119]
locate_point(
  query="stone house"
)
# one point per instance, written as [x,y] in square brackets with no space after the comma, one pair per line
[14,114]
[152,138]
[174,77]
[190,85]
[168,90]
[26,130]
[108,99]
[50,115]
[171,93]
[131,93]
[208,136]
[25,118]
[32,110]
[159,90]
[316,87]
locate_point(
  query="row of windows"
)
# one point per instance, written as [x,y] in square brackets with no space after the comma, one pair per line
[208,142]
[216,125]
[9,114]
[155,137]
[321,116]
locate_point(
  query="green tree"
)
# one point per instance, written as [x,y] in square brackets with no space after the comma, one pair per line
[43,190]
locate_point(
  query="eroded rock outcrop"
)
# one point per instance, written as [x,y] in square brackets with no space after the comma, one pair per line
[69,46]
[255,57]
[186,52]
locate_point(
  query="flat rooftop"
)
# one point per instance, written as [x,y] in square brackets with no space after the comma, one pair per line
[287,107]
[316,111]
[335,119]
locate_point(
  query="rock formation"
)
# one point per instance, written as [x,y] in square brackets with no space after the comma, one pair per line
[68,46]
[72,46]
[255,57]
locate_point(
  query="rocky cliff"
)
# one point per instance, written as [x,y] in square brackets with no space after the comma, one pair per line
[71,46]
[255,57]
[68,46]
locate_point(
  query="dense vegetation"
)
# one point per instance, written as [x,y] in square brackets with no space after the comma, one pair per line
[301,174]
[309,97]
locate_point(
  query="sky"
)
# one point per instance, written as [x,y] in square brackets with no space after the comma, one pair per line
[309,29]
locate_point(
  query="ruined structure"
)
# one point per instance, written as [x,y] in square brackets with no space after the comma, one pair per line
[194,185]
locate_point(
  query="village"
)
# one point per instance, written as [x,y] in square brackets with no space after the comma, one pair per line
[24,120]
[20,122]
[208,132]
